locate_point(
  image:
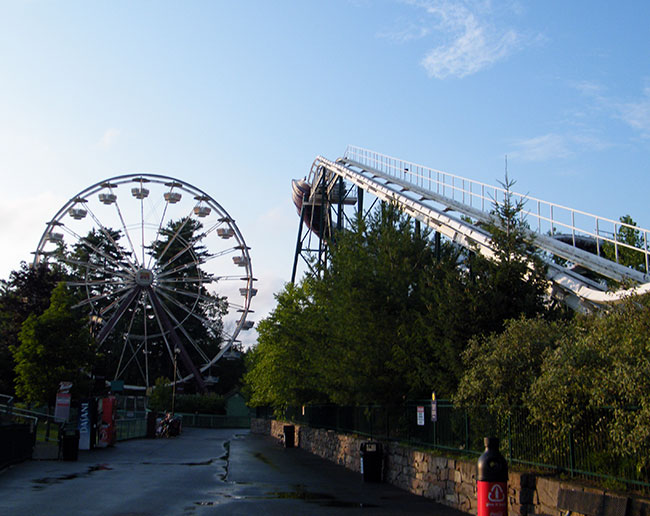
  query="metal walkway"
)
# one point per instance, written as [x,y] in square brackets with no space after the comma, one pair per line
[456,207]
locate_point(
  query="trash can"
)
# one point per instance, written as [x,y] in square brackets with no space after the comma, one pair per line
[372,461]
[289,436]
[69,443]
[151,425]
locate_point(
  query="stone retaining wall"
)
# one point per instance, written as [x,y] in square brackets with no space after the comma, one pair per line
[453,482]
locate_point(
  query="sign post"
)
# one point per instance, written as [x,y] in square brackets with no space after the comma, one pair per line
[434,408]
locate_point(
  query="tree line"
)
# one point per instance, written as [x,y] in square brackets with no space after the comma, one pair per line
[392,317]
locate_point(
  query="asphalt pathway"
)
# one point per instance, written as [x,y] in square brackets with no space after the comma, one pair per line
[200,473]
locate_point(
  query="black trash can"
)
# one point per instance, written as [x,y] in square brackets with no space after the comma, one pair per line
[289,436]
[151,424]
[69,443]
[372,461]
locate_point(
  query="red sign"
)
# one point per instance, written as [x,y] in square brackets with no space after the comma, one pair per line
[492,498]
[62,408]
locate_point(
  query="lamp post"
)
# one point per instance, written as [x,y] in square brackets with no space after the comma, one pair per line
[176,352]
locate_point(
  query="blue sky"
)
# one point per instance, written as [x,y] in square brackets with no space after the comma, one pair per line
[238,98]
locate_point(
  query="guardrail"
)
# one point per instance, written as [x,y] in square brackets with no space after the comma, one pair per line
[549,218]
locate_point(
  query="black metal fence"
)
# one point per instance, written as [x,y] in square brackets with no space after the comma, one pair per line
[586,452]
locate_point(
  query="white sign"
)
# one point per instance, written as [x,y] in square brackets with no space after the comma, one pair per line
[421,416]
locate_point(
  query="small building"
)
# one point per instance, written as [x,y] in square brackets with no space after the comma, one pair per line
[236,404]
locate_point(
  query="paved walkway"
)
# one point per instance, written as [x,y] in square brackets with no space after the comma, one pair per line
[200,473]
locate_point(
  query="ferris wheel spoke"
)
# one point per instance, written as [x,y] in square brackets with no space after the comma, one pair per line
[85,242]
[180,268]
[93,283]
[142,197]
[195,260]
[172,240]
[93,299]
[164,320]
[146,342]
[97,268]
[163,330]
[187,293]
[180,327]
[126,232]
[160,224]
[172,281]
[126,342]
[180,305]
[134,358]
[110,238]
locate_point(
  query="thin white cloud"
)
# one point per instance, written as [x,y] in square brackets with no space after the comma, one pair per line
[471,42]
[556,146]
[109,138]
[409,32]
[636,114]
[542,148]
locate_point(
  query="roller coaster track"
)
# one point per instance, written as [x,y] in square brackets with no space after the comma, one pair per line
[458,208]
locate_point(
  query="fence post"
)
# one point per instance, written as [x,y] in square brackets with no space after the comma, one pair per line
[572,454]
[509,438]
[388,411]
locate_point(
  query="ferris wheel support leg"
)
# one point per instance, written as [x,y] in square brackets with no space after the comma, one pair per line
[166,323]
[108,327]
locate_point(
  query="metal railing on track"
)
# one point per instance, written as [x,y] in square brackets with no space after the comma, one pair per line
[545,218]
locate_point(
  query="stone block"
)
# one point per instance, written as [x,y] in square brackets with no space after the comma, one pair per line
[452,499]
[614,505]
[466,489]
[467,470]
[435,493]
[583,502]
[467,504]
[546,492]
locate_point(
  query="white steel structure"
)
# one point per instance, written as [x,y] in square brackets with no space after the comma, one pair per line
[142,275]
[456,207]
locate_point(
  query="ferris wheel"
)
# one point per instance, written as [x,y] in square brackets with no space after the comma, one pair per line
[163,271]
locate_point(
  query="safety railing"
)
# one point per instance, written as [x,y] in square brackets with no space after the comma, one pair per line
[214,421]
[585,452]
[618,241]
[131,428]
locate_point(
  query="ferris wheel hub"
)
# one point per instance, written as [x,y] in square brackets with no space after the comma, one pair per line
[144,278]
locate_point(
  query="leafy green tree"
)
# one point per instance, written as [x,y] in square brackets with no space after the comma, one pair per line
[55,346]
[281,368]
[160,396]
[501,368]
[605,364]
[368,297]
[26,292]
